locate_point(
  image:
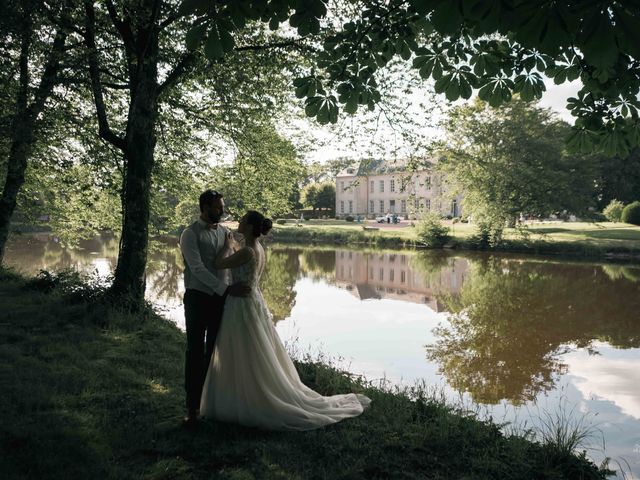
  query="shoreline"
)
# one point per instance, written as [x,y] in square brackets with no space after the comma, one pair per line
[92,391]
[319,235]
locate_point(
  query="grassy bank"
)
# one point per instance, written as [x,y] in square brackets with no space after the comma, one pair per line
[597,240]
[91,392]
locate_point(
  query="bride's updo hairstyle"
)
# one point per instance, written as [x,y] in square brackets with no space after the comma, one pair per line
[260,224]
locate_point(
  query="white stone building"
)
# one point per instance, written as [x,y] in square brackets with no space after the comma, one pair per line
[377,187]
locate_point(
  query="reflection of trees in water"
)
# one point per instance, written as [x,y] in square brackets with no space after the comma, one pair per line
[513,319]
[615,272]
[42,252]
[164,270]
[318,264]
[278,282]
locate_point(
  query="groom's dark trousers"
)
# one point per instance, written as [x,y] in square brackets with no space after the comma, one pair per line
[203,315]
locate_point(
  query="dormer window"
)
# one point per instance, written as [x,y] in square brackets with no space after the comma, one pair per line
[350,171]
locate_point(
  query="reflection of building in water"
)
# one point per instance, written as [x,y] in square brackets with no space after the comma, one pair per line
[390,276]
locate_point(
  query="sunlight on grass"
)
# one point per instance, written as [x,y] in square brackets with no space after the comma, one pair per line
[157,387]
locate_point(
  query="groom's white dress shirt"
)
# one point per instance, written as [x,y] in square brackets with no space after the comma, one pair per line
[200,245]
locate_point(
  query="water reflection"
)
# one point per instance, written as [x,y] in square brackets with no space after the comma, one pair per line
[512,321]
[409,278]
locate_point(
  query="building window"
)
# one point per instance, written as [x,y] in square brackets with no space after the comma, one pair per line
[371,186]
[371,207]
[391,275]
[381,206]
[342,186]
[381,186]
[381,277]
[416,204]
[350,206]
[392,185]
[427,182]
[403,206]
[341,206]
[403,276]
[371,273]
[427,203]
[392,206]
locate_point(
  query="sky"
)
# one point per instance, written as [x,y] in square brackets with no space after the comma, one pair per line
[330,143]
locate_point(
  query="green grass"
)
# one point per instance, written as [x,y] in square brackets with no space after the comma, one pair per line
[92,392]
[566,238]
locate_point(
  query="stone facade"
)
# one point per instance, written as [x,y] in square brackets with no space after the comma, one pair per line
[377,187]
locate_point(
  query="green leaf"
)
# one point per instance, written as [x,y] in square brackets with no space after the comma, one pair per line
[323,114]
[599,46]
[446,17]
[352,105]
[194,36]
[212,47]
[442,84]
[227,41]
[465,89]
[312,106]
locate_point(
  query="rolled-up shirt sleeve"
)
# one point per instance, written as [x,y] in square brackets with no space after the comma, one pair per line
[191,254]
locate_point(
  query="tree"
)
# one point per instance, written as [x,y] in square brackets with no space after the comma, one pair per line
[149,64]
[309,196]
[498,47]
[264,175]
[511,161]
[618,178]
[28,21]
[317,196]
[326,197]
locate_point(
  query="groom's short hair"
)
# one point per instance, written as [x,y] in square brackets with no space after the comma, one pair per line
[207,197]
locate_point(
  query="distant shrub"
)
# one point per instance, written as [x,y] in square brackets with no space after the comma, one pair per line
[488,234]
[613,211]
[281,221]
[349,218]
[431,231]
[631,213]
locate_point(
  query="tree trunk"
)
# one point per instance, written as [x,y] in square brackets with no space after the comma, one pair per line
[17,165]
[129,280]
[24,121]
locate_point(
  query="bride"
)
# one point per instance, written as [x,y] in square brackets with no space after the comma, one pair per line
[251,379]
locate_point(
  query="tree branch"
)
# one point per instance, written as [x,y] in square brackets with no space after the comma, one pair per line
[185,63]
[123,27]
[105,131]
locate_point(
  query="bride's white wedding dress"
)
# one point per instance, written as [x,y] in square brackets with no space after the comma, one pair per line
[251,379]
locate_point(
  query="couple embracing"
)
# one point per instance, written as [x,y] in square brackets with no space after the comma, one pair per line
[237,369]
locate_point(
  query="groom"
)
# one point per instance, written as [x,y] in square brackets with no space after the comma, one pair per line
[206,289]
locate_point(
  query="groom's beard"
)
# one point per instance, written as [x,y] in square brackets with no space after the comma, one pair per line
[214,218]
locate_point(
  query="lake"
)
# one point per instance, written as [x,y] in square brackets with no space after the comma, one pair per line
[521,339]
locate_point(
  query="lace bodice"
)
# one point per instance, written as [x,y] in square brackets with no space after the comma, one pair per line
[250,272]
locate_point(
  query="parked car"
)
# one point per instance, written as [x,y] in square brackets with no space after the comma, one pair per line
[381,219]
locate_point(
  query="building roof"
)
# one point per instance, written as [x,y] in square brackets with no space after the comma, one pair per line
[379,166]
